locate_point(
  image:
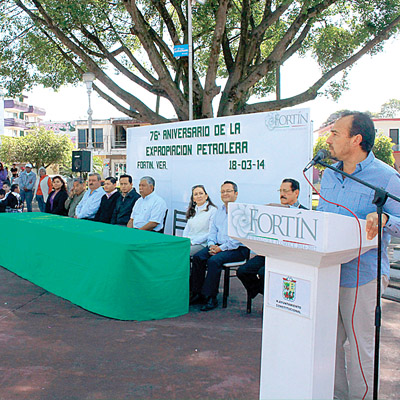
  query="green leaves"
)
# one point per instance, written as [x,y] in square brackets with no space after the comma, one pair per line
[39,147]
[383,149]
[52,42]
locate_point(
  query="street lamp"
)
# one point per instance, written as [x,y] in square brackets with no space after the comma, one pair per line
[190,40]
[88,78]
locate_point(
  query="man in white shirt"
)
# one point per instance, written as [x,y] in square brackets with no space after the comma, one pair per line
[149,211]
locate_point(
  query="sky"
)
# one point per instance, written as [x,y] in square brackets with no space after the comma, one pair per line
[372,81]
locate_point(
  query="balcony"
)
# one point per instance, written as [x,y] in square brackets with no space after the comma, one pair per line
[34,111]
[118,144]
[15,106]
[96,145]
[15,123]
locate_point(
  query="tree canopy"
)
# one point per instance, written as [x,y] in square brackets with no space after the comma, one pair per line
[52,42]
[40,147]
[382,150]
[390,109]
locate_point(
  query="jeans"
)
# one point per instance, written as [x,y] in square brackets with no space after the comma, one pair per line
[41,203]
[28,197]
[202,261]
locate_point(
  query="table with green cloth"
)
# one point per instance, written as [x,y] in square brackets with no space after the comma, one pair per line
[110,270]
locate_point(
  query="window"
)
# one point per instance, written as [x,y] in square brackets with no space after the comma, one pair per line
[82,138]
[394,135]
[120,137]
[97,138]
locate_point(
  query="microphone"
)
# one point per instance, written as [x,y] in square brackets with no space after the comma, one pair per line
[318,157]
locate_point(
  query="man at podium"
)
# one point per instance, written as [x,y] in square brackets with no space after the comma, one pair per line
[350,142]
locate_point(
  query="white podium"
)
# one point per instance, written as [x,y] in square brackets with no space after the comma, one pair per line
[304,250]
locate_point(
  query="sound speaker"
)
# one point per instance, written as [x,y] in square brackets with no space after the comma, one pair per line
[81,161]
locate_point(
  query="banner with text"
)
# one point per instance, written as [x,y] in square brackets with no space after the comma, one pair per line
[255,151]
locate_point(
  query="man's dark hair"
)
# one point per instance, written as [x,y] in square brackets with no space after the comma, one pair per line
[235,187]
[2,192]
[126,176]
[13,187]
[295,184]
[363,125]
[112,179]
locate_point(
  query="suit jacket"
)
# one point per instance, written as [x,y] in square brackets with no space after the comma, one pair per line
[106,209]
[58,203]
[123,208]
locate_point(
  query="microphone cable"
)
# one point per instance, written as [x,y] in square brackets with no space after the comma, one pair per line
[358,278]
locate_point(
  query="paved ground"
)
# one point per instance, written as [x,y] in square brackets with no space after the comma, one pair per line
[51,349]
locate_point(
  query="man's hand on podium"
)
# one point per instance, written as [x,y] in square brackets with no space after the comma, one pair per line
[372,224]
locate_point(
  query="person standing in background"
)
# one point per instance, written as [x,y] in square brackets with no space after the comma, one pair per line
[42,188]
[27,183]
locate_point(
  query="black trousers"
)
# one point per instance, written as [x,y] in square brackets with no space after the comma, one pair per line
[207,285]
[248,272]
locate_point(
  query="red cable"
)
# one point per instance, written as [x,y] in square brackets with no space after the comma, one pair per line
[358,276]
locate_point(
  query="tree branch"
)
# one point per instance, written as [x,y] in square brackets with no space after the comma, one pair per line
[92,65]
[141,29]
[210,88]
[275,57]
[134,78]
[312,92]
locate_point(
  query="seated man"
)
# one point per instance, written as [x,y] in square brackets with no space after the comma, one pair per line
[252,273]
[90,203]
[220,249]
[149,211]
[75,196]
[108,201]
[125,203]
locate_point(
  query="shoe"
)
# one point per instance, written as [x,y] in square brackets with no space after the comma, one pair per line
[211,304]
[196,298]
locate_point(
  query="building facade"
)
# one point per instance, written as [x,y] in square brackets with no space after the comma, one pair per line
[20,117]
[109,142]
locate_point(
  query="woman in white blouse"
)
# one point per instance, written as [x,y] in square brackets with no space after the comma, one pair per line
[199,215]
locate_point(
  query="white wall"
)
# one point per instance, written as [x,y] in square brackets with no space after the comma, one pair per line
[274,146]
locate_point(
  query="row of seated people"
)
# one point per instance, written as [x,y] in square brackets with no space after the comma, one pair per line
[211,247]
[207,226]
[103,204]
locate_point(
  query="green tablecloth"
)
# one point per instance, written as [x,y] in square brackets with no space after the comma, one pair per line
[110,270]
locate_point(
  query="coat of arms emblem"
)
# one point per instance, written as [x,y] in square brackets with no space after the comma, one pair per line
[289,288]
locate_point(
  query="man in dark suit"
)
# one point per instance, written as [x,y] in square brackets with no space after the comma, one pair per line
[252,273]
[108,201]
[125,203]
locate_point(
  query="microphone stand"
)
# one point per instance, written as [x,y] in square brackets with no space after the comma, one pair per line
[379,200]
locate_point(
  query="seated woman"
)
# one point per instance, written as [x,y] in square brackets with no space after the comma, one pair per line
[55,203]
[199,215]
